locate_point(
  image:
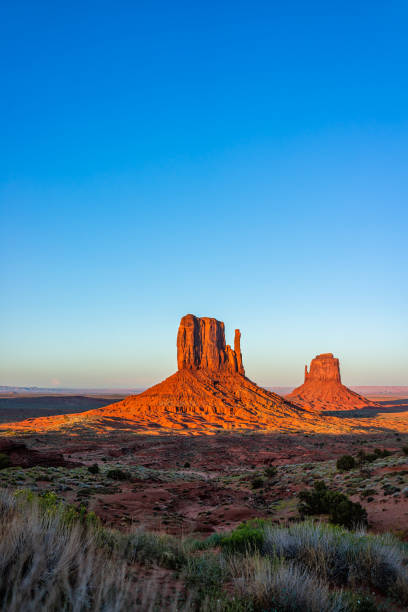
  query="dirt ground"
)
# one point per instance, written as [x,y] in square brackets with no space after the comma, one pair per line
[200,484]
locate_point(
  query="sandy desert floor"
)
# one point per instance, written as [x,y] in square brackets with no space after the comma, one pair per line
[200,484]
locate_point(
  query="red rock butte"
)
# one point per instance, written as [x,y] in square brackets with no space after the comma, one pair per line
[323,389]
[208,392]
[201,345]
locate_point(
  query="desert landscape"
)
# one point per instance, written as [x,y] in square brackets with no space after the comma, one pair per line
[209,461]
[203,344]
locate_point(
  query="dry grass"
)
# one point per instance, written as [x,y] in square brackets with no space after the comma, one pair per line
[282,587]
[48,564]
[342,557]
[53,561]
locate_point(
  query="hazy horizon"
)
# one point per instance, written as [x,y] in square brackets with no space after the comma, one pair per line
[226,160]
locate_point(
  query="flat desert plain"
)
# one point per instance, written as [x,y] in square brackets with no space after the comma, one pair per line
[199,484]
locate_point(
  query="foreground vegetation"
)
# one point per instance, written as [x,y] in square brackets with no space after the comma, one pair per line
[54,556]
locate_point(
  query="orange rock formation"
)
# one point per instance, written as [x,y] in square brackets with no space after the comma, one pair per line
[323,389]
[209,391]
[201,345]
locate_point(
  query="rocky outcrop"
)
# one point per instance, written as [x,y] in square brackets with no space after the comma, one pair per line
[17,454]
[201,346]
[237,350]
[209,391]
[323,368]
[323,390]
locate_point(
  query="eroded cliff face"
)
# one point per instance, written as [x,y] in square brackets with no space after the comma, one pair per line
[201,345]
[324,368]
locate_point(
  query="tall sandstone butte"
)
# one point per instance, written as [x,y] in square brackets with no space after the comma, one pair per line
[201,345]
[209,391]
[323,389]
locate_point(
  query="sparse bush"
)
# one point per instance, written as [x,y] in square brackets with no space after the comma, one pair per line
[206,572]
[341,510]
[343,557]
[370,457]
[245,538]
[382,453]
[257,483]
[345,463]
[347,513]
[117,474]
[94,468]
[271,471]
[282,587]
[4,461]
[368,492]
[148,547]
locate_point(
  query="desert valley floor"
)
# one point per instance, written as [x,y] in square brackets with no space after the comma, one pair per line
[204,483]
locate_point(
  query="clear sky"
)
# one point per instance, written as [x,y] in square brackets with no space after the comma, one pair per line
[221,158]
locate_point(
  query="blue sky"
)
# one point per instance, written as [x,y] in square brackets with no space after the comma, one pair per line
[226,159]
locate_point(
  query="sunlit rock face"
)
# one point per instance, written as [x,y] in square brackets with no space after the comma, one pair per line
[323,390]
[324,368]
[209,391]
[201,345]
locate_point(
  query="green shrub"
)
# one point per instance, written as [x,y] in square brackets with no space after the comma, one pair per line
[377,454]
[257,483]
[345,463]
[340,509]
[368,493]
[205,572]
[4,461]
[148,548]
[117,474]
[314,501]
[347,513]
[405,450]
[94,468]
[370,457]
[382,452]
[68,514]
[247,537]
[271,471]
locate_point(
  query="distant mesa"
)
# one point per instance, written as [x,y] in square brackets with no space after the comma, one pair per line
[323,389]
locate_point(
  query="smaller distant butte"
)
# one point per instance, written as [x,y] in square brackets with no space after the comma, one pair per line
[323,390]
